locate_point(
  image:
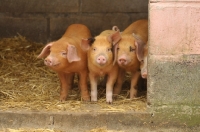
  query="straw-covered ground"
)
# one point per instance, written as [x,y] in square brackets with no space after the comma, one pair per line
[103,129]
[27,84]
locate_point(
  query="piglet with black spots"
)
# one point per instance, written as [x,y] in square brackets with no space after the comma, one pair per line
[130,51]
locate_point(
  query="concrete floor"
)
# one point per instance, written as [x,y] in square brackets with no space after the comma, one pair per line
[71,121]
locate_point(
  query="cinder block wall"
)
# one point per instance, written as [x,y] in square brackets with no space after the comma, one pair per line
[46,20]
[174,58]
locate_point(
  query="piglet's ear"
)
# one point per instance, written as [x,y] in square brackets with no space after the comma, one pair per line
[72,53]
[45,51]
[115,53]
[85,43]
[114,38]
[139,47]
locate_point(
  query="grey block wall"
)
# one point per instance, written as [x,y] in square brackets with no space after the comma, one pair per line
[46,20]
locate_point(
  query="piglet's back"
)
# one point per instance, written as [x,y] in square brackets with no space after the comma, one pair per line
[107,33]
[77,31]
[139,27]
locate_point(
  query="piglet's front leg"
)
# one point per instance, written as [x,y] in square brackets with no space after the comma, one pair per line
[119,82]
[111,79]
[66,81]
[93,85]
[134,80]
[83,85]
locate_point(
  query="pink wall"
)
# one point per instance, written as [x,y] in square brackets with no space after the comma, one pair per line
[174,28]
[174,52]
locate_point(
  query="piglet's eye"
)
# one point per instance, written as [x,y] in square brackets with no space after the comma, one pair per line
[64,54]
[117,48]
[94,49]
[131,49]
[109,49]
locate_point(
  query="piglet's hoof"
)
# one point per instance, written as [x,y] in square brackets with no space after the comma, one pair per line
[133,97]
[110,103]
[63,98]
[86,98]
[115,96]
[133,94]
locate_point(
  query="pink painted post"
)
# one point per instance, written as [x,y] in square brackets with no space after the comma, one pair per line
[174,53]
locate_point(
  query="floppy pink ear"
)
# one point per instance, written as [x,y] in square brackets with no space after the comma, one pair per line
[114,38]
[115,53]
[45,51]
[85,43]
[72,53]
[139,47]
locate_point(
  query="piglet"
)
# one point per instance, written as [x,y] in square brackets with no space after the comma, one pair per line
[143,56]
[100,62]
[143,62]
[130,50]
[66,57]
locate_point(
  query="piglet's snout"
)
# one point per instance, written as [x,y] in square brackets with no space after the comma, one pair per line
[144,75]
[122,61]
[101,60]
[50,62]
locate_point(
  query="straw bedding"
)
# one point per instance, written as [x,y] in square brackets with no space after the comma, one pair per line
[103,129]
[27,84]
[29,130]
